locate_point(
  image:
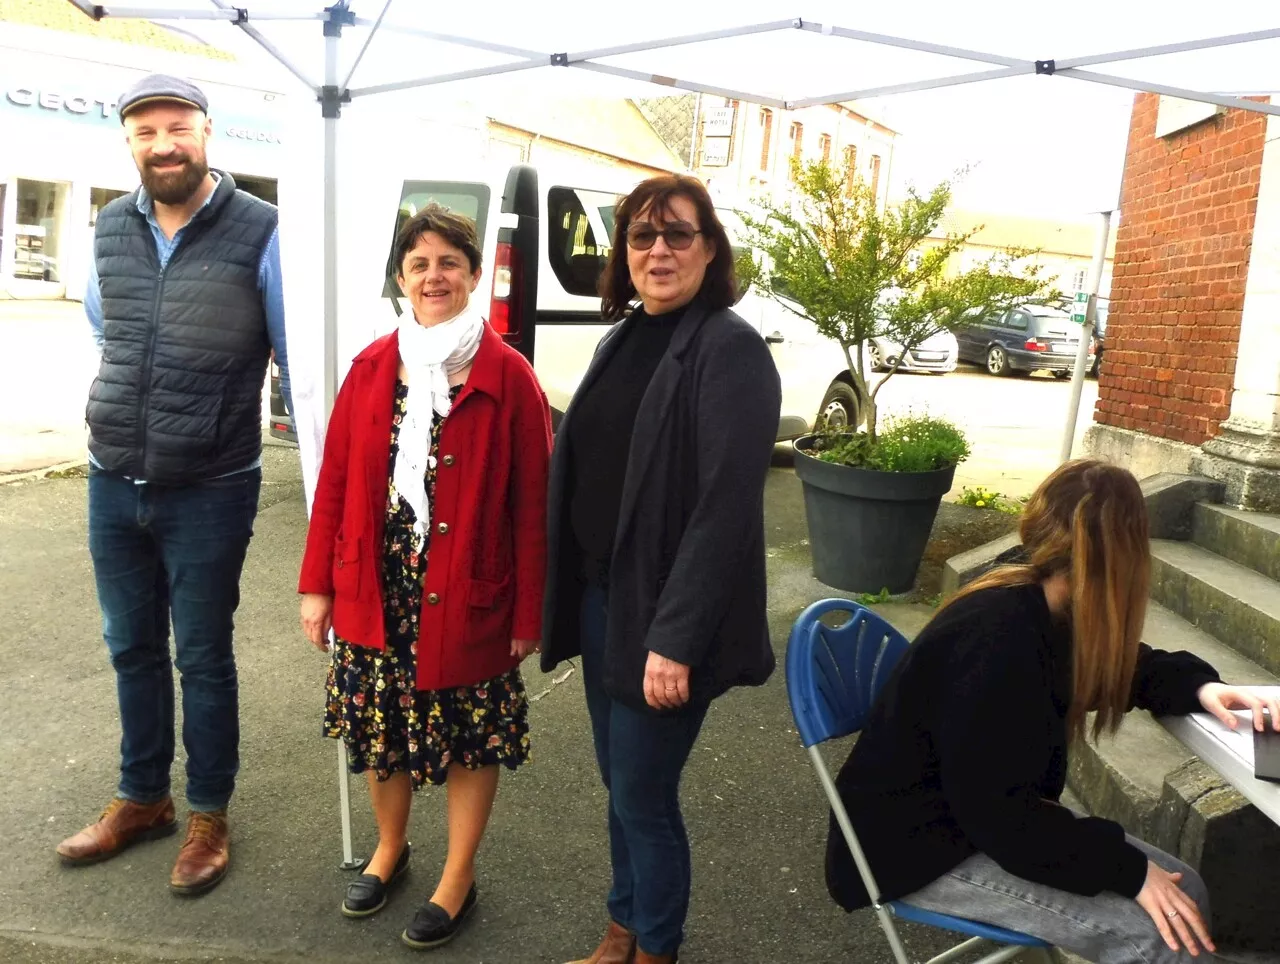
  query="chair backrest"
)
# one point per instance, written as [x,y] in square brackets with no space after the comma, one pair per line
[835,674]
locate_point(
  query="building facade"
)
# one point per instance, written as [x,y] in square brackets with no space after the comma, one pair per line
[745,151]
[1191,376]
[1064,248]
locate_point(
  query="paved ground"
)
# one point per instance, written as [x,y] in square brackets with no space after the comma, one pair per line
[753,804]
[47,362]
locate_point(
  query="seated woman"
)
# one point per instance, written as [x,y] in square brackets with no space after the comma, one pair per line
[955,779]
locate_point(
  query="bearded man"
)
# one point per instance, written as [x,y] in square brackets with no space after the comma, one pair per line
[185,304]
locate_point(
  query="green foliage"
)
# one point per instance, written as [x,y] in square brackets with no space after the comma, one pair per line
[857,271]
[910,443]
[873,599]
[981,497]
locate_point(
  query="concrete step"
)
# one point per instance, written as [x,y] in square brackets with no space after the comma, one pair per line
[1146,780]
[1234,603]
[1251,539]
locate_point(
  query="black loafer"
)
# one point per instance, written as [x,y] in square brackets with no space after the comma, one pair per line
[367,894]
[432,925]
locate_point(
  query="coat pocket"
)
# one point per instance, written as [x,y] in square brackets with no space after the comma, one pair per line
[346,568]
[489,611]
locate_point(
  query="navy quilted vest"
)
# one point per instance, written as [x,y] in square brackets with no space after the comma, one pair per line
[178,397]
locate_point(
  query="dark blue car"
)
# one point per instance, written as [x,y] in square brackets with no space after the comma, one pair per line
[1032,338]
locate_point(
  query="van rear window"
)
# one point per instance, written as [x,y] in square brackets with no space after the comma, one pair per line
[579,224]
[460,197]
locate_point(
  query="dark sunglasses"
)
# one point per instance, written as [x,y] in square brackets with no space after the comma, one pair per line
[679,235]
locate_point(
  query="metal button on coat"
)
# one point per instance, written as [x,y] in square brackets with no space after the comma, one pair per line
[443,528]
[448,460]
[432,599]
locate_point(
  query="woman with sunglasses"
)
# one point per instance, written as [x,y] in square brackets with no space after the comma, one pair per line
[656,565]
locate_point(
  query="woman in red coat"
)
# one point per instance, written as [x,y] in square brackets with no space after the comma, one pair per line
[426,557]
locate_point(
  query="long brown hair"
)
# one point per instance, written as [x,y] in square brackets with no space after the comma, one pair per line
[1088,519]
[719,286]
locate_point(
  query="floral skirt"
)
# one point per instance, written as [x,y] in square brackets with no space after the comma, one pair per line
[389,725]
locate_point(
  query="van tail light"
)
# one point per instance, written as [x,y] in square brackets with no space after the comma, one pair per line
[506,312]
[1035,344]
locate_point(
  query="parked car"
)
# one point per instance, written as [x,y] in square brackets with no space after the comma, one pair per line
[1027,339]
[545,240]
[937,354]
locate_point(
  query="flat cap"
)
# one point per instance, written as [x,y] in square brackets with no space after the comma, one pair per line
[161,88]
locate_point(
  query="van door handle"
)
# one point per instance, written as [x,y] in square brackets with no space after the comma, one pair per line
[774,339]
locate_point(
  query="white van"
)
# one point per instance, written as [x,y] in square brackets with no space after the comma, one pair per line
[545,240]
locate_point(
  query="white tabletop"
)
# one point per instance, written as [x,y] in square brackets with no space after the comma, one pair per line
[1229,752]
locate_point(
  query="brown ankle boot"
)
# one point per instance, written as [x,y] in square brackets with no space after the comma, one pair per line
[643,958]
[121,824]
[618,947]
[202,861]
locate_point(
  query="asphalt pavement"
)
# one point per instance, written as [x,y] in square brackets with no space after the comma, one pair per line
[754,808]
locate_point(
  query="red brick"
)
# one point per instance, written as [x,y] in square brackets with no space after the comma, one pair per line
[1188,204]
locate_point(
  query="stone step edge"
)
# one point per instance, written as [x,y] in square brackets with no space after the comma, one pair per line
[1249,539]
[1205,604]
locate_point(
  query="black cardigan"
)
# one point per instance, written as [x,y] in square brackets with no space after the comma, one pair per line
[966,750]
[687,574]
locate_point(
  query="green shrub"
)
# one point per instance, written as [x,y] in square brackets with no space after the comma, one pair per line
[909,443]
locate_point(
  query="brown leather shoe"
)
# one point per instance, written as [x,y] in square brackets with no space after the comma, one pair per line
[618,947]
[643,958]
[121,824]
[202,861]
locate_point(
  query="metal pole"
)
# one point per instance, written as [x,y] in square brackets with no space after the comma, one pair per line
[332,35]
[693,134]
[1086,335]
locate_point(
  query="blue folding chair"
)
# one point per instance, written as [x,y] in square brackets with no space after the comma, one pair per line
[833,678]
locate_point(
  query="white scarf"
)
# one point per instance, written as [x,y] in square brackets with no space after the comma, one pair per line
[430,355]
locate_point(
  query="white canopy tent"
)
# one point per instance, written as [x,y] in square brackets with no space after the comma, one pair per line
[787,62]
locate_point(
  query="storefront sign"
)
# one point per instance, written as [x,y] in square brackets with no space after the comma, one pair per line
[55,101]
[52,102]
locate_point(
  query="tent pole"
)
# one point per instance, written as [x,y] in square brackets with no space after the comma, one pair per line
[1086,334]
[1222,100]
[267,45]
[367,40]
[331,107]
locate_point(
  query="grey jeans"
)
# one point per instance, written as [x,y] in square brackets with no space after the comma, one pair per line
[1108,929]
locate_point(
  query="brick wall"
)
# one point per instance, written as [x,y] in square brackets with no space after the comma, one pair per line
[1187,209]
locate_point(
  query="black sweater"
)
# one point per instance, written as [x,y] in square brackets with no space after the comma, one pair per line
[965,750]
[600,436]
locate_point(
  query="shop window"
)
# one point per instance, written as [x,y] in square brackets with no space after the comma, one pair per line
[40,212]
[263,188]
[99,198]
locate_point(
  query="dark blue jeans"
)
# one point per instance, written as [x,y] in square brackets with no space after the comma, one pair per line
[641,757]
[162,553]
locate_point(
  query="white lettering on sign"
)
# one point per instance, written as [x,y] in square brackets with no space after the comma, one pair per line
[248,134]
[53,100]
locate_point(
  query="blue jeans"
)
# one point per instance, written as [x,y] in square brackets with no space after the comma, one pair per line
[1108,928]
[641,757]
[162,553]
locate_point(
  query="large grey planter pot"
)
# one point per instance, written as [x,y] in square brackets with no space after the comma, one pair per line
[868,530]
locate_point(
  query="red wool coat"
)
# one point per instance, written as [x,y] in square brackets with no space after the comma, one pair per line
[487,562]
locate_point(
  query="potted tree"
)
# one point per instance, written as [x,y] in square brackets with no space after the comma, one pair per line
[858,272]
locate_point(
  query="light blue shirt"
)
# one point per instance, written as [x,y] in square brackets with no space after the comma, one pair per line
[269,284]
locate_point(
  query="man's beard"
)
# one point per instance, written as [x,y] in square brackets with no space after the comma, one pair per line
[175,187]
